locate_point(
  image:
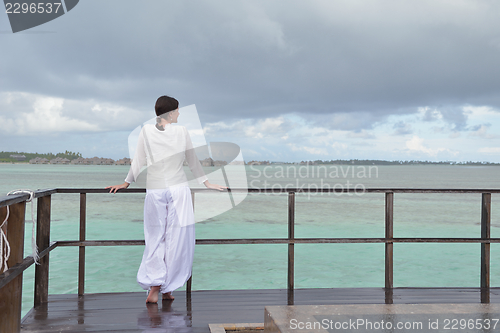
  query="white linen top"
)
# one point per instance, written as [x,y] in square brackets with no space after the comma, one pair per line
[164,152]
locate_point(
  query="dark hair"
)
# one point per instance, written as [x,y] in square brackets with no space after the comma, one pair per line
[163,105]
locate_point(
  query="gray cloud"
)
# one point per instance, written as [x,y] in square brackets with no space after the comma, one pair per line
[482,131]
[360,134]
[350,121]
[402,128]
[30,114]
[455,117]
[352,62]
[431,115]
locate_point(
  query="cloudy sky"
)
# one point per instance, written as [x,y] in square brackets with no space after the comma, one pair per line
[285,80]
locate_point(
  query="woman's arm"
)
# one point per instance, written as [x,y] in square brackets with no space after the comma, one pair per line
[214,186]
[115,188]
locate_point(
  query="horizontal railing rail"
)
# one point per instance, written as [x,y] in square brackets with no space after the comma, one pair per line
[17,198]
[284,190]
[287,241]
[18,269]
[9,280]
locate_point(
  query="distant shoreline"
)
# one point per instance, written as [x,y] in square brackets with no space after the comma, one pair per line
[69,157]
[28,163]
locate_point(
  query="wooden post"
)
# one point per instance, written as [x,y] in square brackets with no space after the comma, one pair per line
[81,311]
[389,234]
[3,214]
[11,294]
[190,280]
[291,246]
[485,247]
[81,250]
[43,242]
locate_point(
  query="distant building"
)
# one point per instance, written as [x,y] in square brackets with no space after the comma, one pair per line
[78,160]
[220,163]
[258,163]
[39,160]
[207,162]
[18,157]
[107,161]
[124,161]
[59,160]
[93,161]
[101,161]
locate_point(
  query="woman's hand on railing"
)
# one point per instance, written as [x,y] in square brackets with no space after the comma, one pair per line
[115,188]
[214,186]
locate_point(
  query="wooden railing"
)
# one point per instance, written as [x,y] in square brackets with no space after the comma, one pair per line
[11,280]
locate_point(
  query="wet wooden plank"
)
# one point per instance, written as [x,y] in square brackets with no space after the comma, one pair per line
[11,294]
[127,312]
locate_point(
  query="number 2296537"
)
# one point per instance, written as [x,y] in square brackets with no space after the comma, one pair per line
[32,8]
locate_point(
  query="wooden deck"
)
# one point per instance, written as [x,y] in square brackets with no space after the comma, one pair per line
[127,312]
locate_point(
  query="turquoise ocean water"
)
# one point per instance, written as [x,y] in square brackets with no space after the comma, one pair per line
[113,269]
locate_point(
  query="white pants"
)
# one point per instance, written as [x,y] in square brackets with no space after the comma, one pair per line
[170,239]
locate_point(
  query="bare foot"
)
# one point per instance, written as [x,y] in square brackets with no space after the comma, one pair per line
[153,295]
[168,296]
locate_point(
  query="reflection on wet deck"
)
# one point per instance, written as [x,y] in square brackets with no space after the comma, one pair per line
[127,312]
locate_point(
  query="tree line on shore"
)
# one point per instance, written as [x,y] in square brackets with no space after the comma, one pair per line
[408,162]
[14,156]
[373,162]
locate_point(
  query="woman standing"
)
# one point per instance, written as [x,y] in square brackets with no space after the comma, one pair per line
[168,210]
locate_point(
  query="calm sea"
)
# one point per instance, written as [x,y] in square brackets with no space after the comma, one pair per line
[119,216]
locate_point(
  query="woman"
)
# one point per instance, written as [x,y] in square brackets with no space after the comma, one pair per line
[168,209]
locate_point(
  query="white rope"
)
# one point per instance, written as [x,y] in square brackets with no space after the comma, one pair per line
[4,256]
[34,248]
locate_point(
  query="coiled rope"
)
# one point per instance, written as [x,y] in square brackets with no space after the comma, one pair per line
[4,255]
